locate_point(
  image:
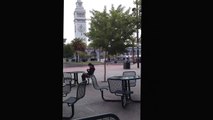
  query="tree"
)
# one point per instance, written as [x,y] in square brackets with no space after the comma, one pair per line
[83,55]
[91,45]
[109,31]
[78,45]
[68,51]
[112,28]
[122,27]
[95,48]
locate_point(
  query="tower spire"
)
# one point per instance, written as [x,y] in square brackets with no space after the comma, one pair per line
[80,21]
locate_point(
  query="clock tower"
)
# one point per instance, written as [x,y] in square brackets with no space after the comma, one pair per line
[80,21]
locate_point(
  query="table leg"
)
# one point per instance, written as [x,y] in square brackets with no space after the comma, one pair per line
[76,78]
[128,87]
[124,100]
[125,97]
[130,98]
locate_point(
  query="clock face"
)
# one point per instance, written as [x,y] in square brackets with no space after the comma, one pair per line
[81,28]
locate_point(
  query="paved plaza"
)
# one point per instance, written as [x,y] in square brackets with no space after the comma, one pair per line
[92,103]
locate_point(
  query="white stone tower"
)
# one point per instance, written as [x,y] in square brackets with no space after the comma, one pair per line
[80,21]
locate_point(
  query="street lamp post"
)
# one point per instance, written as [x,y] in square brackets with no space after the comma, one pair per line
[137,32]
[137,37]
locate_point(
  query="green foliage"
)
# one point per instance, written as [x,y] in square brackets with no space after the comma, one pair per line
[82,54]
[91,45]
[68,51]
[113,28]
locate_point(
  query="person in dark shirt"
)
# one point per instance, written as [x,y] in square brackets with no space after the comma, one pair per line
[90,71]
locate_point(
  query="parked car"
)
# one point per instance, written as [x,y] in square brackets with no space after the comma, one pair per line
[93,59]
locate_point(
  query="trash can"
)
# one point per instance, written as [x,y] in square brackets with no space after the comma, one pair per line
[126,65]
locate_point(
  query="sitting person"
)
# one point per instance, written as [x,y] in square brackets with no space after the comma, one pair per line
[90,71]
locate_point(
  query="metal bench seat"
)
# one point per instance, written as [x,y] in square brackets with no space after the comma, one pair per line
[81,90]
[97,87]
[70,100]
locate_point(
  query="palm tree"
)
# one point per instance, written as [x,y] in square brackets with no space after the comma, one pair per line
[78,45]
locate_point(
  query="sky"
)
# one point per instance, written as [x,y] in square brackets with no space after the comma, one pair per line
[89,5]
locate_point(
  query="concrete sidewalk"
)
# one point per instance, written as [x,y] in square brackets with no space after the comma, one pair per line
[92,103]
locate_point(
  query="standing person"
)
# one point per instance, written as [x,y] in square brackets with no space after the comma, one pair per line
[90,71]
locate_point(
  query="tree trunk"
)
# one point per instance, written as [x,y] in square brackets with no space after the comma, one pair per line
[99,59]
[76,58]
[104,66]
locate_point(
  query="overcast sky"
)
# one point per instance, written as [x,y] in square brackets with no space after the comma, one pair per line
[69,7]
